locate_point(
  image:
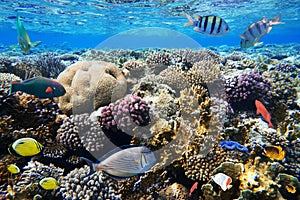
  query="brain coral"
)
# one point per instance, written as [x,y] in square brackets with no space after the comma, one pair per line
[90,85]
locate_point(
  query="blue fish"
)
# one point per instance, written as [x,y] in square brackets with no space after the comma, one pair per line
[232,145]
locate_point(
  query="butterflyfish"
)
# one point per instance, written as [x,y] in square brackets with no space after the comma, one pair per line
[222,180]
[23,38]
[124,162]
[210,25]
[12,168]
[274,152]
[40,87]
[255,31]
[48,183]
[25,147]
[290,188]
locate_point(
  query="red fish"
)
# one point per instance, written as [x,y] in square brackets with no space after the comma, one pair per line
[261,109]
[194,187]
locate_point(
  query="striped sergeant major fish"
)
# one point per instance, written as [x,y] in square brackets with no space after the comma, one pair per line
[258,29]
[210,25]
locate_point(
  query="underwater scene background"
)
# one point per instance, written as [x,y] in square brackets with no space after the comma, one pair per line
[150,99]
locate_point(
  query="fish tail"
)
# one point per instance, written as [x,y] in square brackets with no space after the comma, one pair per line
[190,22]
[275,20]
[15,86]
[90,163]
[270,125]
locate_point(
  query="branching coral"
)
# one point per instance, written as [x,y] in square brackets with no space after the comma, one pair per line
[244,89]
[78,184]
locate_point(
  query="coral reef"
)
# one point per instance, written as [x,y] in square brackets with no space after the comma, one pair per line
[244,89]
[173,102]
[90,85]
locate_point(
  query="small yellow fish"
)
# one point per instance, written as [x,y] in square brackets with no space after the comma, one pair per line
[274,152]
[12,168]
[23,38]
[49,183]
[290,188]
[25,147]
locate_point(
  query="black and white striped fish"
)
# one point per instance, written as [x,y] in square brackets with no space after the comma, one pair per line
[258,29]
[209,25]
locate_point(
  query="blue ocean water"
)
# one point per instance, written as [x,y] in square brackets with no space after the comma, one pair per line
[86,23]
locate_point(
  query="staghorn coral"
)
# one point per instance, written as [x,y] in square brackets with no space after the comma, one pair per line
[78,184]
[186,58]
[159,58]
[203,72]
[6,78]
[118,57]
[173,77]
[49,64]
[90,85]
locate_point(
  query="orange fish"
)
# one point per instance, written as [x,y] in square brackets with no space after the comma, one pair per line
[261,109]
[194,187]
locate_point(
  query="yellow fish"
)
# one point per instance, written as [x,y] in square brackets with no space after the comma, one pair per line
[23,38]
[25,147]
[49,183]
[14,169]
[274,152]
[290,188]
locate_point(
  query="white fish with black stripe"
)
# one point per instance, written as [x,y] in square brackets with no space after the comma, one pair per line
[258,29]
[124,162]
[210,25]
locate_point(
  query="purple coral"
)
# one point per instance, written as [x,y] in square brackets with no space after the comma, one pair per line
[285,67]
[245,88]
[129,112]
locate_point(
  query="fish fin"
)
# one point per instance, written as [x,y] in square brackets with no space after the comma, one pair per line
[115,150]
[90,163]
[13,47]
[196,29]
[269,29]
[258,43]
[265,19]
[190,20]
[115,177]
[35,44]
[196,16]
[270,125]
[15,86]
[275,20]
[243,36]
[229,187]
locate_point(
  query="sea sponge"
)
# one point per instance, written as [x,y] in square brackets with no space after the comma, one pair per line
[90,85]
